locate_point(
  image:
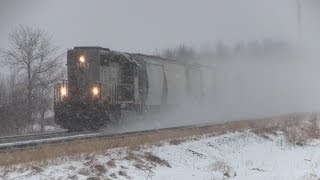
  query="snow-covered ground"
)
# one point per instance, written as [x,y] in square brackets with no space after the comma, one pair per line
[241,155]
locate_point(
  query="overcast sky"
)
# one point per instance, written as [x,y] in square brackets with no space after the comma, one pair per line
[146,25]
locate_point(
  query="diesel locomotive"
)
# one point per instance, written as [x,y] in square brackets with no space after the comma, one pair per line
[102,83]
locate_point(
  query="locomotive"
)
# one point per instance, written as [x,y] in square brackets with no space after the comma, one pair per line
[102,83]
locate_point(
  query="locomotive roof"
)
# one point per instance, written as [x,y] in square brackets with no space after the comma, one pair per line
[138,57]
[127,55]
[91,47]
[153,57]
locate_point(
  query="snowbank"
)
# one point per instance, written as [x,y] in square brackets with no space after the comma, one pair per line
[242,155]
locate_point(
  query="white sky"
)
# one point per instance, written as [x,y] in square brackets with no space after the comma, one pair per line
[146,25]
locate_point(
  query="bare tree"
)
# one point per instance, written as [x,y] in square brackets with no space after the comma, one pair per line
[12,105]
[33,53]
[180,53]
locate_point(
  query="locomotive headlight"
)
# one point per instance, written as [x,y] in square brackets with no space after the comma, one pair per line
[95,91]
[82,59]
[63,91]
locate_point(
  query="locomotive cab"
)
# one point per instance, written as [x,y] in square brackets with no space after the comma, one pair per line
[100,84]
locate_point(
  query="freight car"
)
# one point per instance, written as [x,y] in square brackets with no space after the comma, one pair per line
[102,83]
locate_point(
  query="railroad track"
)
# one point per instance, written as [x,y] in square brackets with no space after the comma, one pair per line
[21,137]
[19,142]
[31,140]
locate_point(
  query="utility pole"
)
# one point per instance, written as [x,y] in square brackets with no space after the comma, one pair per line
[299,23]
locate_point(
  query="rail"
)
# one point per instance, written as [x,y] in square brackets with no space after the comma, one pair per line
[29,141]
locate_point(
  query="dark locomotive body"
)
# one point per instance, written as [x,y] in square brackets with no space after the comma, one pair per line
[103,83]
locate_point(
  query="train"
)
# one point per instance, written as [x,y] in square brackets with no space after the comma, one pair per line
[101,84]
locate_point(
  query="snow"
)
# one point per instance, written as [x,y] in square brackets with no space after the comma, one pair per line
[240,155]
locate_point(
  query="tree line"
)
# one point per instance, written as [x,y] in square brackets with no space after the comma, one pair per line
[35,64]
[223,52]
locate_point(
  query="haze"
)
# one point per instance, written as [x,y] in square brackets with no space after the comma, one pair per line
[148,26]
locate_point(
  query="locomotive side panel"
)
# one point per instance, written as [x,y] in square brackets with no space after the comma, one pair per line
[119,79]
[109,78]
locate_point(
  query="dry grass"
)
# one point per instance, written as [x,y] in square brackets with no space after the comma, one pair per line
[124,174]
[133,157]
[298,129]
[93,178]
[100,169]
[111,163]
[134,141]
[84,171]
[225,169]
[156,160]
[177,141]
[300,132]
[265,132]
